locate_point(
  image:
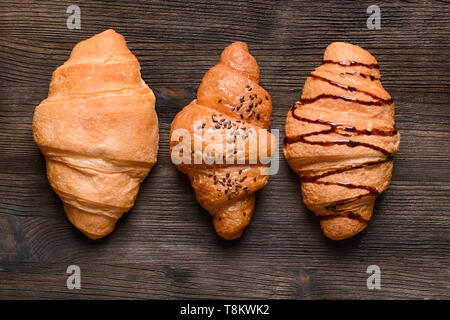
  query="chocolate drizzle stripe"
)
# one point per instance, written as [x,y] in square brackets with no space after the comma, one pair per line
[346,142]
[352,64]
[341,170]
[362,75]
[371,191]
[350,215]
[333,128]
[333,206]
[335,97]
[380,101]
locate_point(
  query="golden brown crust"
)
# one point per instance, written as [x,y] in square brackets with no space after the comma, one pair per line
[340,138]
[98,131]
[229,98]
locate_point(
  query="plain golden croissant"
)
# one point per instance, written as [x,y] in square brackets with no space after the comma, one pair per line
[229,101]
[98,131]
[340,139]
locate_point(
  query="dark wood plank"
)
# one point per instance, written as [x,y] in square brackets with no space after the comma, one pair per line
[166,247]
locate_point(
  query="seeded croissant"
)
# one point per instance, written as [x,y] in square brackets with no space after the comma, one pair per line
[340,139]
[98,131]
[232,105]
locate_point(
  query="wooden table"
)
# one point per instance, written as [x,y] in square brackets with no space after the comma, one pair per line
[165,247]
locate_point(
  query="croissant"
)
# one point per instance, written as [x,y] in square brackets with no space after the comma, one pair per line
[98,131]
[340,139]
[229,102]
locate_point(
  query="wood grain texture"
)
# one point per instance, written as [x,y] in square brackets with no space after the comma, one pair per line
[165,247]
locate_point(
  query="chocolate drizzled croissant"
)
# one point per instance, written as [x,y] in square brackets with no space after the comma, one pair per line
[340,139]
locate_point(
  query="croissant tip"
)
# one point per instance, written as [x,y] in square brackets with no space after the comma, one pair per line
[107,31]
[342,51]
[94,226]
[230,236]
[339,237]
[340,231]
[342,45]
[93,236]
[240,44]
